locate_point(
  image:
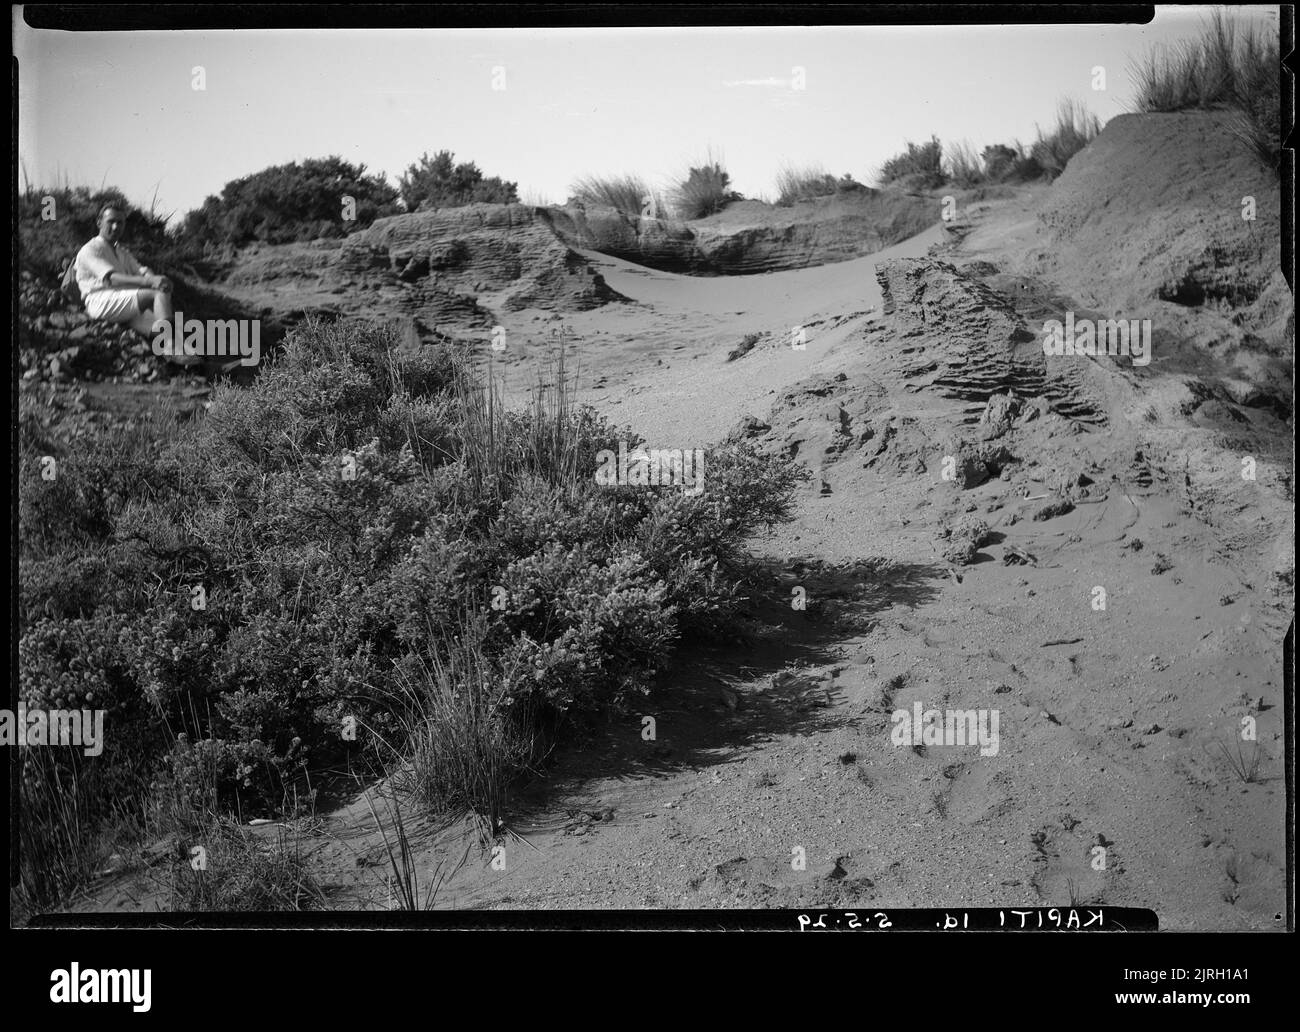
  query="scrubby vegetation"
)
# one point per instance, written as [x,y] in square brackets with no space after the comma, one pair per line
[796,184]
[292,202]
[359,554]
[1075,128]
[918,167]
[704,190]
[438,182]
[962,167]
[1231,64]
[932,165]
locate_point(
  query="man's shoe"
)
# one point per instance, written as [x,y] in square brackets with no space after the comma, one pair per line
[183,360]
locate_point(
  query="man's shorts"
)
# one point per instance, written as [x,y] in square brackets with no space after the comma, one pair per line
[116,306]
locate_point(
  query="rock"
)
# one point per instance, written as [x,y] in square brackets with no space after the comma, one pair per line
[976,463]
[1053,509]
[999,414]
[1071,482]
[965,539]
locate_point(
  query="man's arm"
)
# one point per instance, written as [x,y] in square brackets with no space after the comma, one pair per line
[99,267]
[137,275]
[122,281]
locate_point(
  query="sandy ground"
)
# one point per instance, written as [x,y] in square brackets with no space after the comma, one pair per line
[772,779]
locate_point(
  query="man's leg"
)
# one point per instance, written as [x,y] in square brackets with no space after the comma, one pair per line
[154,305]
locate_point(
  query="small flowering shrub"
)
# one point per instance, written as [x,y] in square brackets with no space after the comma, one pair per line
[274,587]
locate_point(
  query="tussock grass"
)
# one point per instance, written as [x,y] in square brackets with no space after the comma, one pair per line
[499,448]
[1234,64]
[963,166]
[630,194]
[1242,761]
[241,872]
[68,819]
[469,727]
[404,883]
[803,183]
[1075,128]
[704,190]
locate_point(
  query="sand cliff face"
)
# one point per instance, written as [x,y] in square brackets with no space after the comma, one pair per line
[1172,213]
[440,261]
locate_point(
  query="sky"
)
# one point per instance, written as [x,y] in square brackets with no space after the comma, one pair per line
[121,108]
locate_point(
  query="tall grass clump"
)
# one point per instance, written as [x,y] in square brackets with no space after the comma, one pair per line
[1234,64]
[963,167]
[240,873]
[794,183]
[704,190]
[1075,128]
[404,882]
[468,730]
[629,194]
[71,817]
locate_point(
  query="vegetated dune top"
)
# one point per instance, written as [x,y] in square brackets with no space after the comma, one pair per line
[750,237]
[1153,209]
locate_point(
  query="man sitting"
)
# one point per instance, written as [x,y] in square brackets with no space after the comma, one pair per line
[116,288]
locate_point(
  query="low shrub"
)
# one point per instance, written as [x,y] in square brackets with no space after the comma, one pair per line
[918,167]
[239,591]
[438,182]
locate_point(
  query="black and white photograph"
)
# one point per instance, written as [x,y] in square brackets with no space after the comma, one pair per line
[835,471]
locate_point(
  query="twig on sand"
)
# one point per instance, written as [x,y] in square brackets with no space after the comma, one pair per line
[1061,641]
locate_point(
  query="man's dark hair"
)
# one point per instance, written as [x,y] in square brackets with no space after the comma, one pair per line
[110,206]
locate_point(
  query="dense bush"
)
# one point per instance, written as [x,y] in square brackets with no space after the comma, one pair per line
[343,517]
[919,167]
[292,202]
[438,182]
